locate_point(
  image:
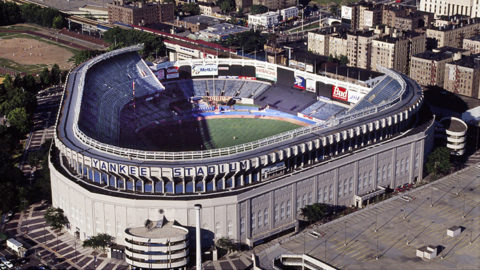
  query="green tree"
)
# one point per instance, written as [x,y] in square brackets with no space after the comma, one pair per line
[82,56]
[226,6]
[99,242]
[58,22]
[316,212]
[191,9]
[343,60]
[19,119]
[55,218]
[55,74]
[438,161]
[226,244]
[258,9]
[45,77]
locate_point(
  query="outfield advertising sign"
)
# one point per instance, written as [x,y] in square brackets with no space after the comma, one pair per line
[267,72]
[339,93]
[204,70]
[311,85]
[354,97]
[300,82]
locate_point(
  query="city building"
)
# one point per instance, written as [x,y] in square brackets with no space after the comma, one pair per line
[158,245]
[428,68]
[405,18]
[472,44]
[243,4]
[289,13]
[362,15]
[140,13]
[463,76]
[195,23]
[469,8]
[266,20]
[275,4]
[359,48]
[452,35]
[208,9]
[394,51]
[221,31]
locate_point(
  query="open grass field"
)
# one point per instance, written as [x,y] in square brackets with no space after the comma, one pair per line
[211,133]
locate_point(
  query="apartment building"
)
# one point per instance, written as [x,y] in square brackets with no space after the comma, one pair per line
[394,51]
[362,15]
[405,18]
[472,44]
[463,76]
[275,4]
[452,34]
[266,20]
[428,68]
[140,13]
[469,8]
[359,46]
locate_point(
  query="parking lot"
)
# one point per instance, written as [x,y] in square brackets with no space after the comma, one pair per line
[386,235]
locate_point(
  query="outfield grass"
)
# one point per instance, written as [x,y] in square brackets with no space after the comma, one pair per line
[223,131]
[211,133]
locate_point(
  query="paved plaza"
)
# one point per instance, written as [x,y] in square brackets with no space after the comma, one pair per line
[59,250]
[386,235]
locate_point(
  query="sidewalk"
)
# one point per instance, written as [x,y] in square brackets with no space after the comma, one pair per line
[60,250]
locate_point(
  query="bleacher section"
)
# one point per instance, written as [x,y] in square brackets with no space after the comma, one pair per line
[322,110]
[220,87]
[385,90]
[108,88]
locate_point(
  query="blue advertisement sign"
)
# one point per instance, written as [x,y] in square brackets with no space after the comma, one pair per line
[300,82]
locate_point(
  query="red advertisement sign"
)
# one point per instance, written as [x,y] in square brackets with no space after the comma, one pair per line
[339,93]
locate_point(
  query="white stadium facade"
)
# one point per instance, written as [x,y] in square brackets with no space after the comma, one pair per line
[248,192]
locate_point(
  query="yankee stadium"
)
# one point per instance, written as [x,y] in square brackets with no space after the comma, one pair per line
[252,142]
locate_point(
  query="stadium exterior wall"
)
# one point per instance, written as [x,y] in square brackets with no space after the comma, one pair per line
[389,163]
[381,145]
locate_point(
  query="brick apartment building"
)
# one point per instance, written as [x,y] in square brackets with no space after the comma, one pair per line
[140,13]
[463,76]
[428,68]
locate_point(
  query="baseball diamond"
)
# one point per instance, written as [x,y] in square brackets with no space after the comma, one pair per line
[121,156]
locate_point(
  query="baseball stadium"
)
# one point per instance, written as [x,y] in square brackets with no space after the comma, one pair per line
[252,142]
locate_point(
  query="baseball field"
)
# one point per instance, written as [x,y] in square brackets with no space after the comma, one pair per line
[211,133]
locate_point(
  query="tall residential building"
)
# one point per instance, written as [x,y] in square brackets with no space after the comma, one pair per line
[405,18]
[452,35]
[359,46]
[395,51]
[362,15]
[469,8]
[472,44]
[428,68]
[275,4]
[140,13]
[463,76]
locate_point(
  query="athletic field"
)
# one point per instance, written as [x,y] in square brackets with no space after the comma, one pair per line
[211,133]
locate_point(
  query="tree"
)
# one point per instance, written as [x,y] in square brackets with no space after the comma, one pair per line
[55,74]
[191,8]
[58,22]
[343,60]
[258,9]
[226,5]
[334,9]
[99,242]
[55,218]
[438,161]
[45,77]
[226,243]
[19,119]
[316,212]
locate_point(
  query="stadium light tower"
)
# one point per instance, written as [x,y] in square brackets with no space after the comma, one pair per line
[198,237]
